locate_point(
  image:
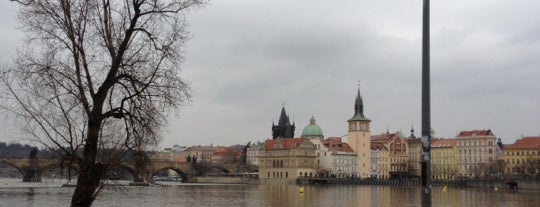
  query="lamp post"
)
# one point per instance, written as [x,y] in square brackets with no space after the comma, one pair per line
[426,110]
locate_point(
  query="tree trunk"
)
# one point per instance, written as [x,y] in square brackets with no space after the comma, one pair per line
[90,171]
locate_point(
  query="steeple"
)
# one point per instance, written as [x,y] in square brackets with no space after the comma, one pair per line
[283,118]
[412,131]
[284,129]
[359,108]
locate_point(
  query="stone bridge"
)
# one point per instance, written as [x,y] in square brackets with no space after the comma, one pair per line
[32,170]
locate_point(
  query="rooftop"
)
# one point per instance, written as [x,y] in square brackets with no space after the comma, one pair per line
[287,143]
[525,143]
[474,133]
[442,143]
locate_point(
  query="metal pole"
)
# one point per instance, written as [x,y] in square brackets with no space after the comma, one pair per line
[426,111]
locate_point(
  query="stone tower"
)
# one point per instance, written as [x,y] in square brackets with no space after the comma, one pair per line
[359,138]
[284,129]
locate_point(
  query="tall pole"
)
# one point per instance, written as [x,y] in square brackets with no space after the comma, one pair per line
[426,111]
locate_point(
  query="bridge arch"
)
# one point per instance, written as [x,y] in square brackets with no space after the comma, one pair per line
[179,171]
[19,168]
[130,170]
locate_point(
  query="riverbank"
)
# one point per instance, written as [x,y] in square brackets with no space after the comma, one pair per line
[527,184]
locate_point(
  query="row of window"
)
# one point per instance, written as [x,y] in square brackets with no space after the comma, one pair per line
[473,151]
[277,163]
[473,159]
[473,143]
[278,174]
[526,153]
[522,161]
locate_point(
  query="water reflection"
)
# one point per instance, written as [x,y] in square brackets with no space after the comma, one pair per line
[278,195]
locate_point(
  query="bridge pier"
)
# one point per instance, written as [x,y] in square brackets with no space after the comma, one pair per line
[31,175]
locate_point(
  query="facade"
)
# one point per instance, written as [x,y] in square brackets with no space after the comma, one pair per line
[342,158]
[444,159]
[284,129]
[415,155]
[334,157]
[254,152]
[522,158]
[359,138]
[287,159]
[398,156]
[477,151]
[380,167]
[201,153]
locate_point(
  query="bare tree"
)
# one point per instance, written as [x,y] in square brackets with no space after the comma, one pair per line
[97,74]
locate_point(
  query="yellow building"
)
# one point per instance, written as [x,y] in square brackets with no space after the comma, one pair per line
[397,158]
[380,166]
[359,138]
[287,159]
[523,157]
[444,159]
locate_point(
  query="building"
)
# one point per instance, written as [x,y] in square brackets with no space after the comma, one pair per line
[284,129]
[415,155]
[287,159]
[477,151]
[379,161]
[254,153]
[359,138]
[397,158]
[444,159]
[342,158]
[334,157]
[522,158]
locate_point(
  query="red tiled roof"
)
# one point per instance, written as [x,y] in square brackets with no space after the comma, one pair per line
[333,139]
[377,145]
[286,142]
[384,136]
[525,143]
[414,141]
[334,144]
[440,143]
[485,132]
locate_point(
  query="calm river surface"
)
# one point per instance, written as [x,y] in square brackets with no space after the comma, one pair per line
[48,193]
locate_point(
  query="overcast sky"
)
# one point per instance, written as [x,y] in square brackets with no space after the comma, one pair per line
[246,58]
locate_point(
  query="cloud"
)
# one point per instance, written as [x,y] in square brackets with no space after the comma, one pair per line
[246,58]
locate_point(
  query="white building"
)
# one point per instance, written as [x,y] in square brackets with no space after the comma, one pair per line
[254,152]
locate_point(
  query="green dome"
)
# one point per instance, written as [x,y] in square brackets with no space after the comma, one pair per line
[312,129]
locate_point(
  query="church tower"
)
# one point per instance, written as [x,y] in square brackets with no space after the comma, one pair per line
[359,138]
[284,129]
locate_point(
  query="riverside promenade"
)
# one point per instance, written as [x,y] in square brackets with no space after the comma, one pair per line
[514,184]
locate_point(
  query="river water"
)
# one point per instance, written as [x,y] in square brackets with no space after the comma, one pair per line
[13,192]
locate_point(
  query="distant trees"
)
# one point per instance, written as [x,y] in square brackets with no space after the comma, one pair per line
[96,75]
[21,151]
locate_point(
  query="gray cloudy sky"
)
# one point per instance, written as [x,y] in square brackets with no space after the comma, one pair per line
[248,57]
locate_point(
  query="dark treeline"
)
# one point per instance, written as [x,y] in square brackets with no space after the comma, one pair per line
[20,151]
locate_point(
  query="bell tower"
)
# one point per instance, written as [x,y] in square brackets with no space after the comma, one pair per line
[359,138]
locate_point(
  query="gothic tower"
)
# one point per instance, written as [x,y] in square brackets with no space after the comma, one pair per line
[359,138]
[284,129]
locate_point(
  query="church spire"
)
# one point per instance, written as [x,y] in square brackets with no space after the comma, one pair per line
[359,108]
[412,131]
[284,129]
[283,118]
